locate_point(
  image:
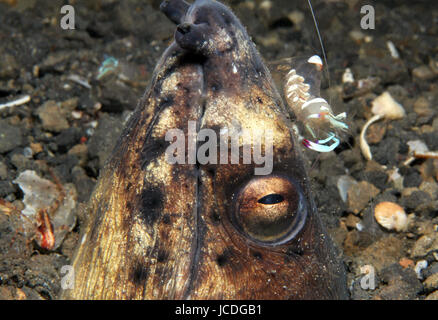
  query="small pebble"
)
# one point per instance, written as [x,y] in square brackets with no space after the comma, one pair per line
[9,67]
[70,104]
[431,283]
[266,5]
[20,162]
[81,151]
[27,152]
[36,148]
[359,195]
[356,35]
[424,245]
[296,17]
[419,202]
[433,296]
[402,283]
[344,184]
[422,264]
[405,262]
[430,187]
[3,171]
[423,73]
[76,115]
[53,117]
[422,107]
[352,221]
[10,136]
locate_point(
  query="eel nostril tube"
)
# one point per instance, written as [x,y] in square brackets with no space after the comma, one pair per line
[175,10]
[184,28]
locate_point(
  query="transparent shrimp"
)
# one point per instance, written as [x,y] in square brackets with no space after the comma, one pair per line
[301,92]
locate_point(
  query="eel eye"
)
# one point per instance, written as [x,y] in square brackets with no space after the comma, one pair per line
[270,210]
[271,199]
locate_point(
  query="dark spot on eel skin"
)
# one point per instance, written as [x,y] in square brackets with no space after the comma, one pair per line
[282,151]
[293,251]
[162,255]
[166,219]
[215,85]
[221,260]
[257,255]
[215,218]
[151,200]
[152,150]
[211,171]
[139,274]
[224,258]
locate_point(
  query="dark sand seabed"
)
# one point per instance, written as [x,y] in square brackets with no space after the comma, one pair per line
[73,119]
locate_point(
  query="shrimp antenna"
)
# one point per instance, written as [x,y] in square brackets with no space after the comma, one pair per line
[320,41]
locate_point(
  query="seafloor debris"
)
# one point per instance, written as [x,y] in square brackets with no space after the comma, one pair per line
[357,88]
[124,71]
[49,212]
[392,49]
[359,195]
[419,267]
[17,102]
[79,80]
[364,147]
[415,147]
[426,155]
[345,182]
[347,76]
[384,106]
[391,216]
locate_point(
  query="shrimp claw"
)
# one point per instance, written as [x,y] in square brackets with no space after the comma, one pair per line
[320,145]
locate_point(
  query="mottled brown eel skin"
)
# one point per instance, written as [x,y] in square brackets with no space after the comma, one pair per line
[205,231]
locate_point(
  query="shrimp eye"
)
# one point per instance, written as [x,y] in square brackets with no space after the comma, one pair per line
[270,210]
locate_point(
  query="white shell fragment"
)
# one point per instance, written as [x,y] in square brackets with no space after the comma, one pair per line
[297,17]
[266,5]
[392,49]
[386,106]
[419,267]
[316,60]
[364,147]
[417,146]
[396,178]
[40,194]
[391,216]
[18,102]
[347,77]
